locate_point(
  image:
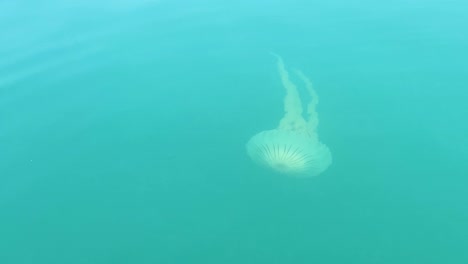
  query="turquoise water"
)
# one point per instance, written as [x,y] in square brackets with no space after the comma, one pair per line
[123,127]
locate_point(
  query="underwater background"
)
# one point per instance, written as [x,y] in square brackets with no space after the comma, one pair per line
[123,127]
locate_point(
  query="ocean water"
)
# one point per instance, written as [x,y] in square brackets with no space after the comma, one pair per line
[123,127]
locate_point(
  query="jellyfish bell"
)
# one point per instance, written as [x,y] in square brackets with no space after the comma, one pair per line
[294,147]
[289,152]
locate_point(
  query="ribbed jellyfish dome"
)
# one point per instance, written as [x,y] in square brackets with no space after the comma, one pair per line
[289,152]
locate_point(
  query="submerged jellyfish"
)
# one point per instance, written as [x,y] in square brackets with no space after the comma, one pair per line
[294,147]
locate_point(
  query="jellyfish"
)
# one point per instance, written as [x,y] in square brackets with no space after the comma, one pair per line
[293,148]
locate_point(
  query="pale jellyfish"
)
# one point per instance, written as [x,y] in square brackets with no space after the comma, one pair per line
[294,147]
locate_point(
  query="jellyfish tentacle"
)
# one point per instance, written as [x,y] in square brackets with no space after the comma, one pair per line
[292,119]
[312,121]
